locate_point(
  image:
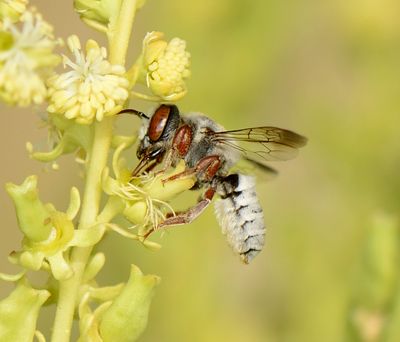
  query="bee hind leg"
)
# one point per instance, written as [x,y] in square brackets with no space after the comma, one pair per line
[187,216]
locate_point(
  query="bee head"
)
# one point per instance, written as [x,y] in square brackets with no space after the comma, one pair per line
[160,131]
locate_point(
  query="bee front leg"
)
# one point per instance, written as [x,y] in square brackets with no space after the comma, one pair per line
[167,163]
[179,147]
[205,169]
[187,216]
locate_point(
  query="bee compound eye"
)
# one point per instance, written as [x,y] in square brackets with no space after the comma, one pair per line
[158,122]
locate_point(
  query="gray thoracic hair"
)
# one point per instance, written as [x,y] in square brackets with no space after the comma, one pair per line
[201,143]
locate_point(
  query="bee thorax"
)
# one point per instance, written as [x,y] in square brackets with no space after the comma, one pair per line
[240,215]
[202,145]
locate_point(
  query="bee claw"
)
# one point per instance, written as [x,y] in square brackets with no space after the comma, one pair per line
[147,234]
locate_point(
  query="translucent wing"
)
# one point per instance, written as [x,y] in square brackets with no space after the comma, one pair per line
[261,170]
[260,144]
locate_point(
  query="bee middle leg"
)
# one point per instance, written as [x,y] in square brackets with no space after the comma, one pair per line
[187,216]
[205,169]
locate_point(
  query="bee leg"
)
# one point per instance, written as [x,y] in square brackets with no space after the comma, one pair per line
[150,167]
[187,216]
[180,175]
[179,149]
[205,169]
[166,164]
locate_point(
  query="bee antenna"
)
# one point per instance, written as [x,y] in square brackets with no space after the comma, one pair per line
[135,112]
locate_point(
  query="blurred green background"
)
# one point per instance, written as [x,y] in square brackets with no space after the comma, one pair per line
[327,69]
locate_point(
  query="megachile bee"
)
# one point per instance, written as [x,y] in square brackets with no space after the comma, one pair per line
[209,152]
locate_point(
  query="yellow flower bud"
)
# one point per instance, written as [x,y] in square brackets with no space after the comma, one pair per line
[165,66]
[19,312]
[100,11]
[100,14]
[33,216]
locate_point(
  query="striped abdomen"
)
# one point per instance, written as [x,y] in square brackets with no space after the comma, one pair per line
[240,215]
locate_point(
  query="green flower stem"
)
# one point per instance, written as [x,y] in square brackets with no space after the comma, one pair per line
[90,207]
[118,46]
[120,32]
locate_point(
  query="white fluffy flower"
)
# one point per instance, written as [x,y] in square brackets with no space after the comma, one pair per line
[91,88]
[26,59]
[12,9]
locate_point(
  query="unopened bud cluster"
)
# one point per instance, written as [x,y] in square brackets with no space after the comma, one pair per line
[165,67]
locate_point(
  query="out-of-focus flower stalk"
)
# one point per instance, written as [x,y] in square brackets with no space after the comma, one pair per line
[376,281]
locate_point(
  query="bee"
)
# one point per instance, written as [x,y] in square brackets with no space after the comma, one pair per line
[210,152]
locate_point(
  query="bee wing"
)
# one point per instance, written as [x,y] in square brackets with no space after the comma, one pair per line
[262,144]
[261,170]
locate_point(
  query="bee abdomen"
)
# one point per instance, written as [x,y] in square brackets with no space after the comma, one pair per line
[240,215]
